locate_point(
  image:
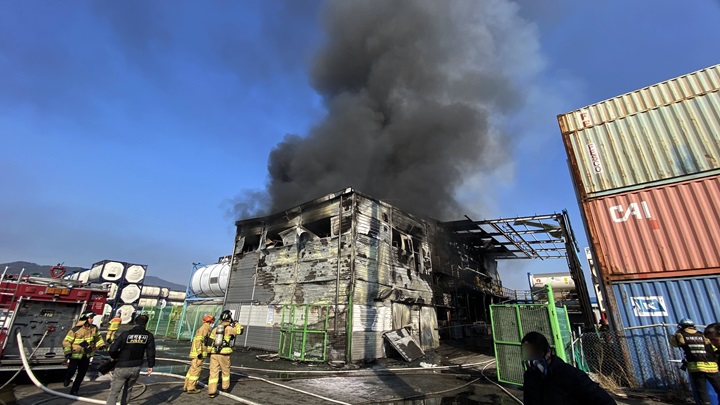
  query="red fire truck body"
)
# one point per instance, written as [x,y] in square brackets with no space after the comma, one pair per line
[34,305]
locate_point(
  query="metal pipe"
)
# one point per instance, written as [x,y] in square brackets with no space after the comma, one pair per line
[337,281]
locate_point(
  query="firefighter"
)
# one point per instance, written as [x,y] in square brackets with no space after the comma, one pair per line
[699,358]
[113,327]
[79,347]
[198,351]
[223,337]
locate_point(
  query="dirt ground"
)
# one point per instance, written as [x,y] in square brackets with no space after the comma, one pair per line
[387,381]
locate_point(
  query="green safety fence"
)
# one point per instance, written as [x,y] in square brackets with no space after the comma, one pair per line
[178,322]
[510,322]
[303,332]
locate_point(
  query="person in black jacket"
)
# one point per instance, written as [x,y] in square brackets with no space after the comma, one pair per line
[129,350]
[548,380]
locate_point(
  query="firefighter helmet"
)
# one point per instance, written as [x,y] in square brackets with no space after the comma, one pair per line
[87,315]
[686,323]
[226,316]
[209,318]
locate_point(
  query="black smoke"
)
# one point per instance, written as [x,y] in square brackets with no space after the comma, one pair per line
[414,91]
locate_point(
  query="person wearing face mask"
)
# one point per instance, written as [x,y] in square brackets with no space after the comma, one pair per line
[548,380]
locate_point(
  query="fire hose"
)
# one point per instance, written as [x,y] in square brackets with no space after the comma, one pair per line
[31,354]
[330,372]
[38,384]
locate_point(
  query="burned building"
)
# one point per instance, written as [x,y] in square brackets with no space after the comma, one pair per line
[327,279]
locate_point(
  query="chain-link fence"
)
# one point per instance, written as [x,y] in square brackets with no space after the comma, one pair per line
[636,357]
[178,322]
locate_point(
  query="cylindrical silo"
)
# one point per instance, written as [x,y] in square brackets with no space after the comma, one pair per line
[104,271]
[135,273]
[130,294]
[558,281]
[126,313]
[149,291]
[177,296]
[148,302]
[210,281]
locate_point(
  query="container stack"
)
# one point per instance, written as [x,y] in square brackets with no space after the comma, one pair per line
[125,281]
[646,168]
[152,296]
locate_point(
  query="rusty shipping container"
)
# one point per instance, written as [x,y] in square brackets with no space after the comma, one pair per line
[662,133]
[667,231]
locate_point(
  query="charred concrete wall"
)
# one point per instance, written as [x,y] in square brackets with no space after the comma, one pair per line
[365,266]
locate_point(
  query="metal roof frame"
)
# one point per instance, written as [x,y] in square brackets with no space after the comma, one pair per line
[548,236]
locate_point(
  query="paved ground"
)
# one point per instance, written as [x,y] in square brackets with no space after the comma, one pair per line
[372,383]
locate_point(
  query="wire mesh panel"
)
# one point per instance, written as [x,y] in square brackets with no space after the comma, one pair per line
[535,318]
[505,323]
[509,363]
[303,332]
[510,323]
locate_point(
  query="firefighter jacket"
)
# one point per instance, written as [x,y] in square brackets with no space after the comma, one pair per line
[199,343]
[115,324]
[228,339]
[698,350]
[82,340]
[132,347]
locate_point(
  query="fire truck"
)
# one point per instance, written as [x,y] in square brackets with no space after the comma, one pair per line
[42,310]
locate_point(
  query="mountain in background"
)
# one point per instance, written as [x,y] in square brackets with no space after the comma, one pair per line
[43,270]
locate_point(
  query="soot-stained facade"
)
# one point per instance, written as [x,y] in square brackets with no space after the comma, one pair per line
[325,280]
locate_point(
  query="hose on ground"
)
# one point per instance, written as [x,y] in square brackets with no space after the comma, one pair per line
[345,403]
[21,369]
[44,388]
[97,401]
[482,372]
[333,372]
[273,383]
[224,394]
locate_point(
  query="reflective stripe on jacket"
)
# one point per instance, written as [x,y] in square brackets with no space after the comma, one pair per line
[228,337]
[72,344]
[114,324]
[198,343]
[698,351]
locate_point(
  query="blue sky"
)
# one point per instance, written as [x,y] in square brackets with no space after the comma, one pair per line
[128,128]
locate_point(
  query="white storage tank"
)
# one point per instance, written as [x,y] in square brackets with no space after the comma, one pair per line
[83,277]
[149,291]
[176,296]
[148,302]
[127,311]
[210,281]
[135,273]
[175,303]
[558,281]
[130,294]
[164,292]
[106,271]
[112,291]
